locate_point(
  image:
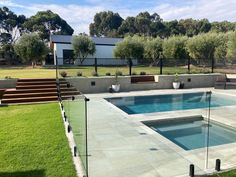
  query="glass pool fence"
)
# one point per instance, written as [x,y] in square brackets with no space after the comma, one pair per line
[74,104]
[199,141]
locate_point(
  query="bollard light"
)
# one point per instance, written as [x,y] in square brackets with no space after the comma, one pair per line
[75,149]
[68,128]
[191,170]
[217,167]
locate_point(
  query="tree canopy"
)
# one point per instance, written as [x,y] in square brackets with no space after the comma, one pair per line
[202,47]
[153,49]
[112,25]
[10,26]
[46,23]
[31,48]
[174,47]
[105,23]
[129,48]
[83,46]
[231,50]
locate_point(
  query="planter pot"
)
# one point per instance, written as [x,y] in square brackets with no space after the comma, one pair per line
[176,85]
[115,87]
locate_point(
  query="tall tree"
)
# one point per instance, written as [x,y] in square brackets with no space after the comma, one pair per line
[203,26]
[31,48]
[10,26]
[142,23]
[10,31]
[224,26]
[174,28]
[104,23]
[128,26]
[46,23]
[190,26]
[83,46]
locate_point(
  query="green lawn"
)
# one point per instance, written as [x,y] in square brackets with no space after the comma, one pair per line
[33,143]
[226,174]
[29,72]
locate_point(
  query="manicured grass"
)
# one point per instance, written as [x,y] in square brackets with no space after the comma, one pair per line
[33,143]
[226,174]
[29,72]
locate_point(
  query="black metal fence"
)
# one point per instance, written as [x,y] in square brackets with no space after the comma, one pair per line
[160,66]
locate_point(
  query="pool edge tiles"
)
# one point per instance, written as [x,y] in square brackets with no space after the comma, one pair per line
[189,133]
[168,102]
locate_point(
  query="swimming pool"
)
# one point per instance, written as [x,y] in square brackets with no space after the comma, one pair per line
[191,134]
[170,102]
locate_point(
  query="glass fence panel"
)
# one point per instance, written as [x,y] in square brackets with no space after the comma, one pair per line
[78,121]
[222,132]
[157,136]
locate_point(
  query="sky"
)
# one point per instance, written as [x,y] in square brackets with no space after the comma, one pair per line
[79,13]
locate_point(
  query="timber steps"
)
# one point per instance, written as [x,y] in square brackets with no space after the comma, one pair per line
[37,90]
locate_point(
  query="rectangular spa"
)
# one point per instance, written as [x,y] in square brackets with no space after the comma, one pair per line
[191,134]
[170,102]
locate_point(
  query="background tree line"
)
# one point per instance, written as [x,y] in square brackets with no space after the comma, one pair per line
[111,24]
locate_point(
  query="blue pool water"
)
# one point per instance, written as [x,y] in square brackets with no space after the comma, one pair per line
[192,134]
[162,103]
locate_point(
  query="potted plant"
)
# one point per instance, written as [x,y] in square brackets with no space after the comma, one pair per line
[116,86]
[176,83]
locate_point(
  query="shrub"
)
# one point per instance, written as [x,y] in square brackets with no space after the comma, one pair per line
[79,73]
[134,73]
[7,77]
[108,74]
[63,73]
[142,73]
[94,73]
[118,73]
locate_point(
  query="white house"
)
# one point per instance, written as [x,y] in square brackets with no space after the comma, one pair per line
[63,51]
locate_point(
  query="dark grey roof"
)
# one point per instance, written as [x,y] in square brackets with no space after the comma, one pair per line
[97,40]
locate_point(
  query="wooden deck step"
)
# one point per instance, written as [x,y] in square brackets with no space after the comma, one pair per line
[40,90]
[40,86]
[36,80]
[27,95]
[40,83]
[40,94]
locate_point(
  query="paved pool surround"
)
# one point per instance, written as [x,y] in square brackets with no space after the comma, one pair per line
[101,84]
[120,145]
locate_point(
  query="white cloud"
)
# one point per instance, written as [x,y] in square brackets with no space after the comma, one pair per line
[214,10]
[80,16]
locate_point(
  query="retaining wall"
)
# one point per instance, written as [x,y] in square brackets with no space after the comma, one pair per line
[8,83]
[101,84]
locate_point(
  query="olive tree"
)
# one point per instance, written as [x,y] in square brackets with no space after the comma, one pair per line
[31,48]
[153,49]
[222,47]
[202,47]
[83,46]
[174,48]
[129,49]
[231,51]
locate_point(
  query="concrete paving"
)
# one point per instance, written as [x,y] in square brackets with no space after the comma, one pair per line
[120,145]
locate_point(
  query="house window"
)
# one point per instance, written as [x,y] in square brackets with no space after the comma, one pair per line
[68,57]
